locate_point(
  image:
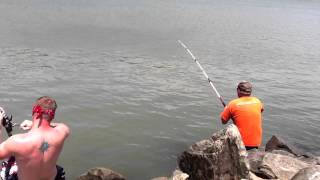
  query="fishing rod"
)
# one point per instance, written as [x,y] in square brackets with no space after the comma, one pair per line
[204,73]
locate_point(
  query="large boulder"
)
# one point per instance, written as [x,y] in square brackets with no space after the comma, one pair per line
[310,173]
[101,173]
[280,166]
[223,156]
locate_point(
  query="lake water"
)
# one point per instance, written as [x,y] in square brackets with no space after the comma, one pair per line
[132,96]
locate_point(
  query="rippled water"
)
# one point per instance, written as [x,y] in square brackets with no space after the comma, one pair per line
[133,97]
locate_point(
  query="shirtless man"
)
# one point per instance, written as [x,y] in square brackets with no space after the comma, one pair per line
[37,151]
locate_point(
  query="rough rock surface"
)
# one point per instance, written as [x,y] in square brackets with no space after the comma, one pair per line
[276,143]
[223,156]
[101,173]
[160,178]
[255,158]
[282,161]
[281,166]
[309,173]
[177,175]
[254,177]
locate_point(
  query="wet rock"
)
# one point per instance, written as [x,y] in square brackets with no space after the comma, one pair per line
[101,173]
[223,156]
[310,173]
[280,166]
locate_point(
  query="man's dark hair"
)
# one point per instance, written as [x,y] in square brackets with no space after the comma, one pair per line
[245,88]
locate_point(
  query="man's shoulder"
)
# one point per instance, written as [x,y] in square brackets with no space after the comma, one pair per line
[246,98]
[255,99]
[244,101]
[17,140]
[19,137]
[234,101]
[62,128]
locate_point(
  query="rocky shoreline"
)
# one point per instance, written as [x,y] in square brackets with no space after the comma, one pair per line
[223,156]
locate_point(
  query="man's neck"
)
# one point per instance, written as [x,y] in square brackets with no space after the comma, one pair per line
[43,123]
[241,95]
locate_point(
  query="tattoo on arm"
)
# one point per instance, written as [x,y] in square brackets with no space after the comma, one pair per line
[44,146]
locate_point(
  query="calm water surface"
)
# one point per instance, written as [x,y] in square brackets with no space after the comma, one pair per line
[132,96]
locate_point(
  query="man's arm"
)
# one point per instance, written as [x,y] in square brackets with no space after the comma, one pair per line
[6,148]
[224,121]
[26,125]
[225,115]
[2,114]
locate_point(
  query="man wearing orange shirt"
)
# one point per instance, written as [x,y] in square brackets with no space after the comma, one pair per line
[246,113]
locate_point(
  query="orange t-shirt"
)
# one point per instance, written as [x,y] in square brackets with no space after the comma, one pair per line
[246,114]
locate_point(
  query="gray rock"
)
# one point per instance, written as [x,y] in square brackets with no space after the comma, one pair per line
[276,143]
[101,173]
[310,173]
[309,160]
[254,177]
[255,158]
[280,166]
[282,152]
[223,156]
[179,175]
[160,178]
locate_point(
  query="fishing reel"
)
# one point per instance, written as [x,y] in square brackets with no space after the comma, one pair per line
[8,124]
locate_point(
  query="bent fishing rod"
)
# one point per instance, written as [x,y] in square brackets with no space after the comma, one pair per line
[204,72]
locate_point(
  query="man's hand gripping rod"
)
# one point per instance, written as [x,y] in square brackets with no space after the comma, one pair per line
[204,73]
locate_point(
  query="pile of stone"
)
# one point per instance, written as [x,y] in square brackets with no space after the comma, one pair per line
[101,173]
[224,157]
[280,160]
